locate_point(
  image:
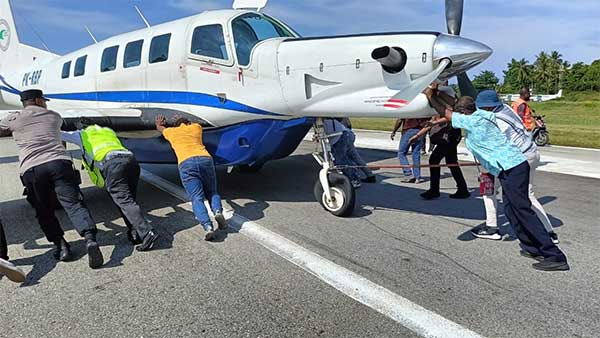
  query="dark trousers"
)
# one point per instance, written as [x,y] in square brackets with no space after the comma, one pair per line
[121,177]
[533,236]
[3,244]
[57,177]
[449,152]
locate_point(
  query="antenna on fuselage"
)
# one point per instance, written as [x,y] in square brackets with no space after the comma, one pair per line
[87,29]
[137,9]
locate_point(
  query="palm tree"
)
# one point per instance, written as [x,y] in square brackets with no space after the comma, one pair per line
[522,70]
[543,72]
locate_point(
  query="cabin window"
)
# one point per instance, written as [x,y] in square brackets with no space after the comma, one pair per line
[80,66]
[250,29]
[133,54]
[66,71]
[159,48]
[209,41]
[109,59]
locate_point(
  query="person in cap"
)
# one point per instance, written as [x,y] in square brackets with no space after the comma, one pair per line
[196,170]
[7,268]
[513,128]
[504,160]
[114,168]
[47,171]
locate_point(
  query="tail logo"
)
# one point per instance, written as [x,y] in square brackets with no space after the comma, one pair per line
[4,35]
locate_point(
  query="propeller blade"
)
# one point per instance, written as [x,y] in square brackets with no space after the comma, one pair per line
[466,86]
[405,96]
[454,16]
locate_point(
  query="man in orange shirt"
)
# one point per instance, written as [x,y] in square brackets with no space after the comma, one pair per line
[522,108]
[196,170]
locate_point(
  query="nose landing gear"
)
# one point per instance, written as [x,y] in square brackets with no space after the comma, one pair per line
[333,190]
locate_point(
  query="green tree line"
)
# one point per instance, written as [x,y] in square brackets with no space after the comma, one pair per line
[547,75]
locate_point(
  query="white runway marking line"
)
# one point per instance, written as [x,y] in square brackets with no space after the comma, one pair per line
[410,315]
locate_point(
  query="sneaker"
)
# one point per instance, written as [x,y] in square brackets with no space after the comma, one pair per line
[13,273]
[94,254]
[148,242]
[409,180]
[554,237]
[370,179]
[221,221]
[430,195]
[551,266]
[210,235]
[487,232]
[461,195]
[527,254]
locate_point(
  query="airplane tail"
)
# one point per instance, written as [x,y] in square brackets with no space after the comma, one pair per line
[14,56]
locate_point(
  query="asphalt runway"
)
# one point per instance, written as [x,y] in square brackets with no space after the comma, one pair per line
[421,251]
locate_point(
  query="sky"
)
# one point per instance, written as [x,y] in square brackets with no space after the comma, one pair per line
[513,28]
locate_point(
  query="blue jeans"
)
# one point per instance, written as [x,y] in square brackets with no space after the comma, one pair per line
[342,155]
[200,182]
[416,152]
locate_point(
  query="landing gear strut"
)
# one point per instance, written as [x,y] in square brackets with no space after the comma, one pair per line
[333,190]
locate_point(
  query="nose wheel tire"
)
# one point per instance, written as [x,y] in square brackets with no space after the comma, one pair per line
[343,195]
[542,138]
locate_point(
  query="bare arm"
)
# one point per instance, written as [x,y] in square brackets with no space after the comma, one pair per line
[397,126]
[521,110]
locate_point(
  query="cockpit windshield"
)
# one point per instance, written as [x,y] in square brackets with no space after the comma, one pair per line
[250,29]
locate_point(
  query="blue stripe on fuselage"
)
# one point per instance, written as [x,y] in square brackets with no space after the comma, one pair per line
[147,96]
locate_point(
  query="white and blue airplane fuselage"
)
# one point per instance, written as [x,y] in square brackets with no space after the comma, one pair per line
[254,83]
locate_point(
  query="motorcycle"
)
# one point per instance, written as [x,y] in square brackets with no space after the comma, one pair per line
[540,133]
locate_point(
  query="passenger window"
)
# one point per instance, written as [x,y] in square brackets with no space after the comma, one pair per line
[159,48]
[250,29]
[209,41]
[66,71]
[133,54]
[80,66]
[109,59]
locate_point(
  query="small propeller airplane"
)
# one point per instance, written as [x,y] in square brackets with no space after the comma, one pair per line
[255,84]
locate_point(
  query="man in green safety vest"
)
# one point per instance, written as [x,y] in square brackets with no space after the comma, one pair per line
[114,168]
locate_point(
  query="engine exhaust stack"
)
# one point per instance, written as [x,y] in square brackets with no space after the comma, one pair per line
[393,59]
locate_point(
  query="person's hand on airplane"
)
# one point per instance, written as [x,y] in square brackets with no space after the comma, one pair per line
[160,121]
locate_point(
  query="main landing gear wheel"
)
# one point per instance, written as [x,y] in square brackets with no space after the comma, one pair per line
[343,195]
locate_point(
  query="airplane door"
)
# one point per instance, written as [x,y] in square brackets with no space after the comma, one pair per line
[209,61]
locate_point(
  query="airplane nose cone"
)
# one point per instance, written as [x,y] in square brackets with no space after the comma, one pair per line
[464,53]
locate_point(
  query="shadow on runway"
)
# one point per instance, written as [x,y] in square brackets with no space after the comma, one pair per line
[22,229]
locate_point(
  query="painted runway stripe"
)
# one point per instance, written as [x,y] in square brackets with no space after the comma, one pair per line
[423,322]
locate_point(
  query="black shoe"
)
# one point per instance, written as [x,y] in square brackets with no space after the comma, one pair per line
[532,256]
[461,195]
[209,236]
[409,180]
[221,221]
[148,242]
[94,254]
[551,266]
[133,237]
[63,251]
[370,179]
[554,237]
[430,195]
[487,232]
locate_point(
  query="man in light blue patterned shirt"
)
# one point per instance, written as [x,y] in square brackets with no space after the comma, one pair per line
[504,160]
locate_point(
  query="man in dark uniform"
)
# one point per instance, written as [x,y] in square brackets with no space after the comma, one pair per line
[47,170]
